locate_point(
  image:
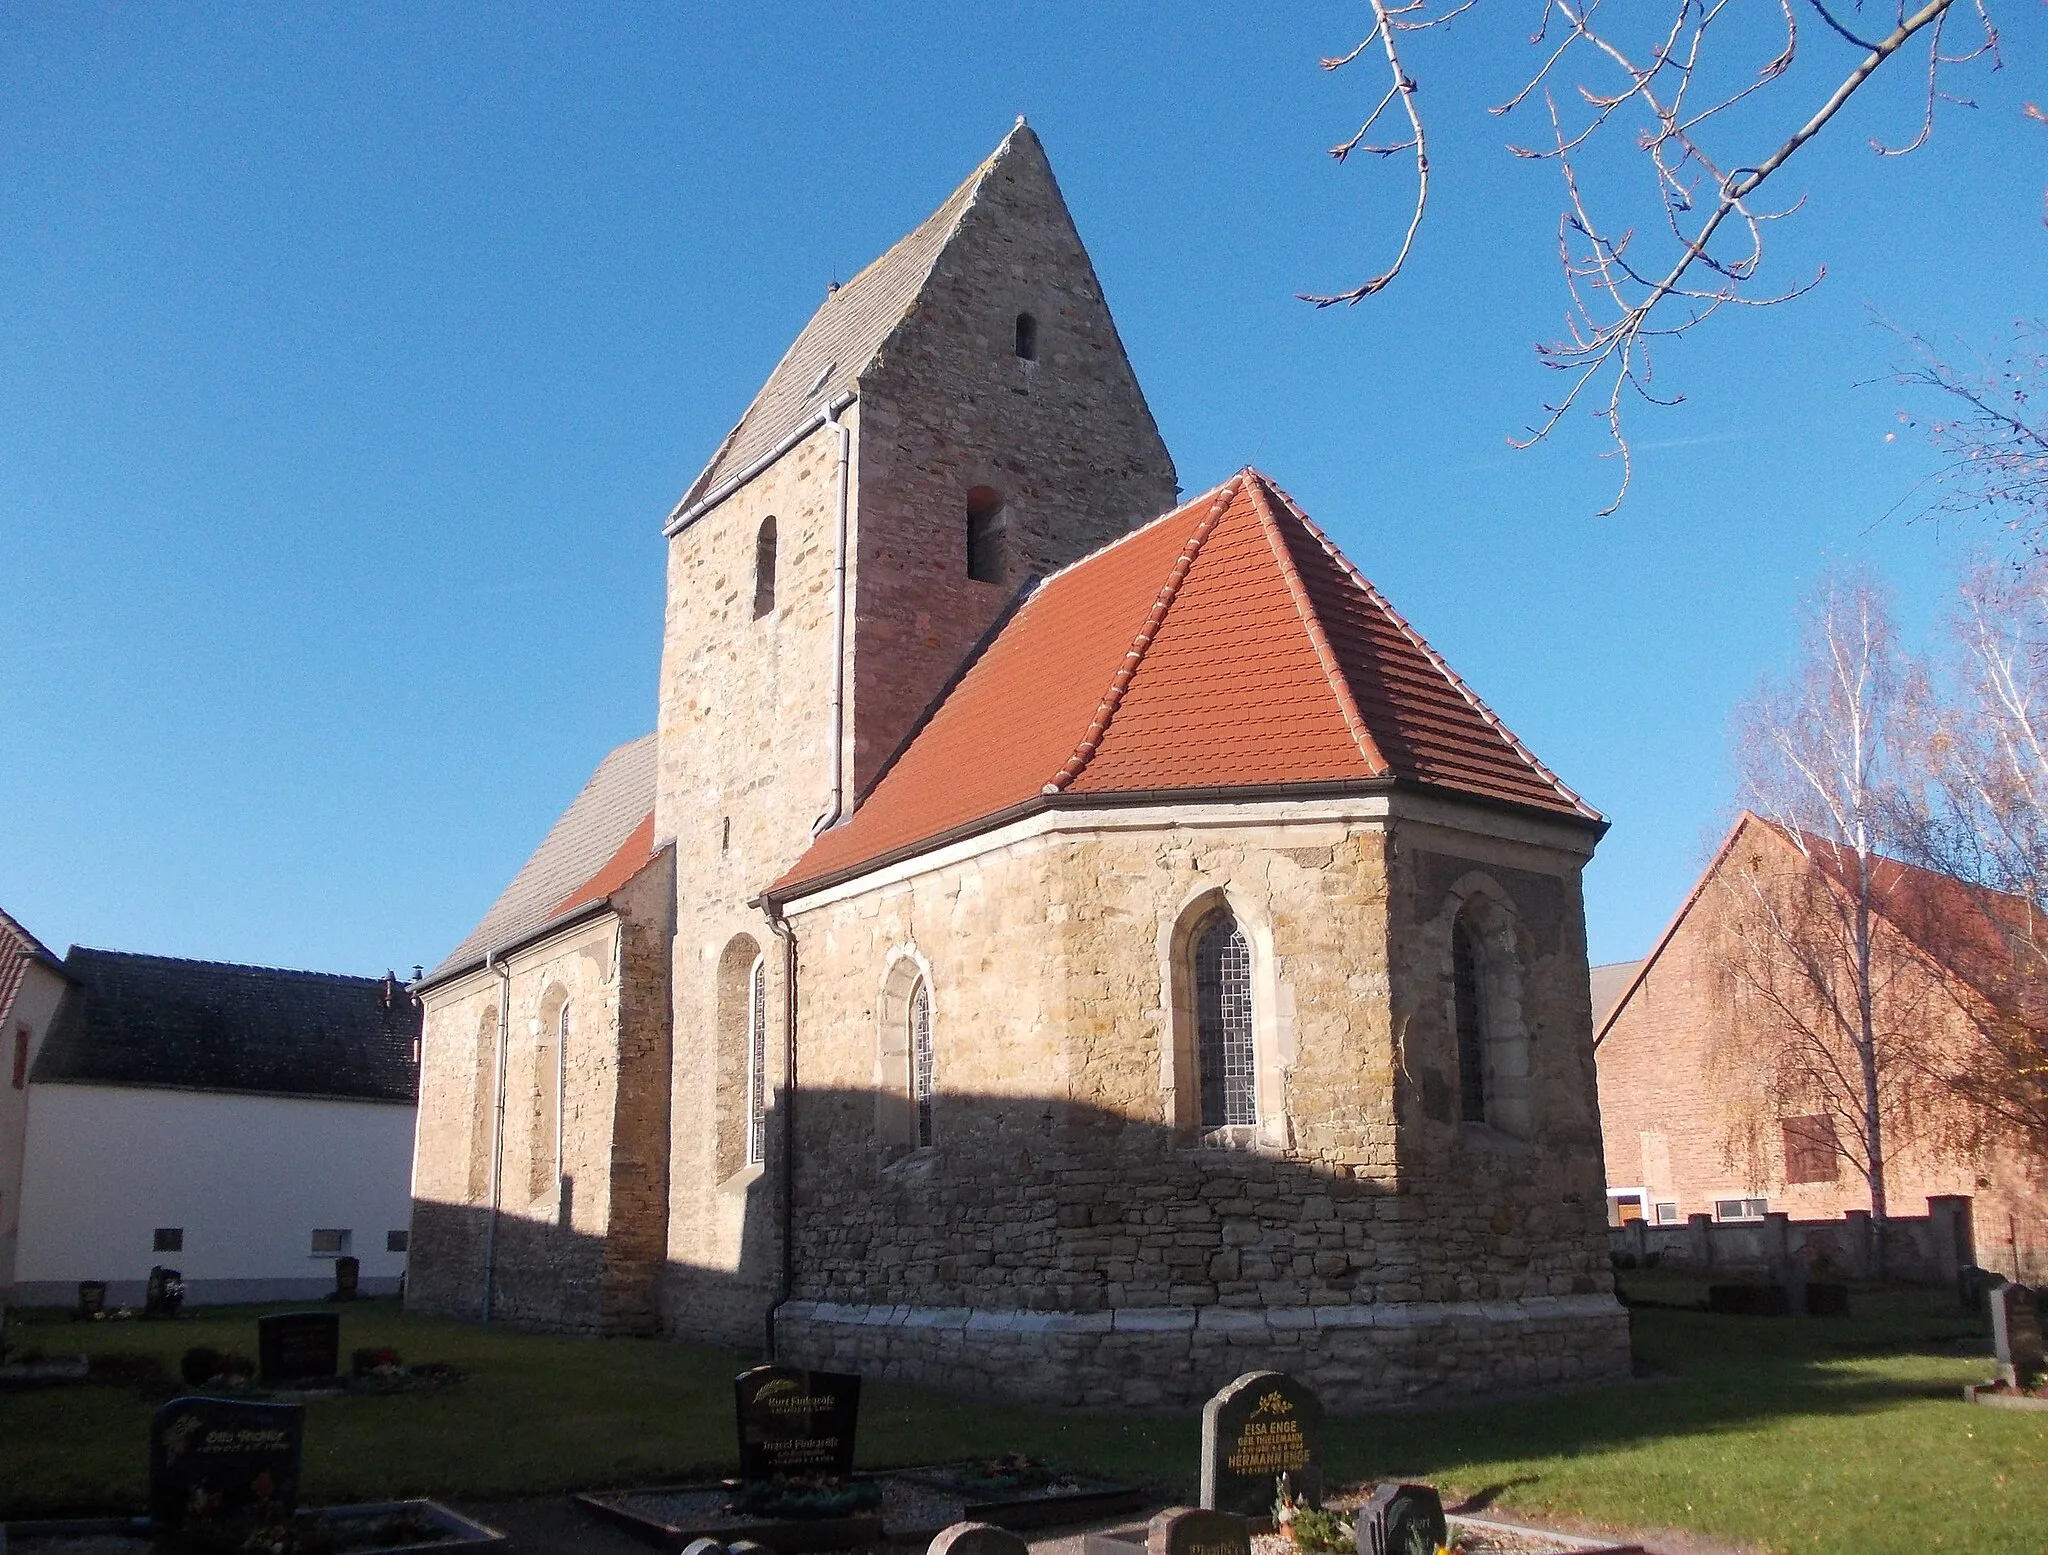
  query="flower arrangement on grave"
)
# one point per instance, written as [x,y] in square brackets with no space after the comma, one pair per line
[804,1496]
[1011,1471]
[376,1361]
[1308,1527]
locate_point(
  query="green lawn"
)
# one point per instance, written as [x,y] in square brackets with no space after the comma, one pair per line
[1828,1434]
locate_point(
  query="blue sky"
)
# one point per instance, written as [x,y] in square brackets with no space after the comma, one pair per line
[351,357]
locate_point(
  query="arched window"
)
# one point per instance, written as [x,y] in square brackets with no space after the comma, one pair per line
[1027,337]
[1468,1003]
[757,1063]
[483,1105]
[1223,1024]
[544,1128]
[985,531]
[764,568]
[921,1060]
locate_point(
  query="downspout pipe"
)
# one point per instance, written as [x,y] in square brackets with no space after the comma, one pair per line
[495,963]
[837,811]
[786,1199]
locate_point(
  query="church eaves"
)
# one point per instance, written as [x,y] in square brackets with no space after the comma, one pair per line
[845,335]
[1228,647]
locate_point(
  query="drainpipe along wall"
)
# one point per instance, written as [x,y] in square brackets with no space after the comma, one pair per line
[493,964]
[837,809]
[786,1199]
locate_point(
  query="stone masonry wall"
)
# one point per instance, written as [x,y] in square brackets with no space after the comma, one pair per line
[549,1257]
[1074,1236]
[1066,440]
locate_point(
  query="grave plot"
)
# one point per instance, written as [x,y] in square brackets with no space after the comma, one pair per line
[797,1492]
[224,1476]
[2022,1380]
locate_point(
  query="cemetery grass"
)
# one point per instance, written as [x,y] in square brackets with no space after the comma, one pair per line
[1826,1434]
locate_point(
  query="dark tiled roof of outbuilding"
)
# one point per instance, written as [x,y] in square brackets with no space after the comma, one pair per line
[1227,645]
[19,950]
[591,845]
[847,332]
[209,1026]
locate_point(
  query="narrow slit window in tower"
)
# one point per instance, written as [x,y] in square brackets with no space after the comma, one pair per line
[985,533]
[1027,337]
[764,568]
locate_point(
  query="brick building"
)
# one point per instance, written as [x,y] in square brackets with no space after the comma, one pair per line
[1056,942]
[1689,1132]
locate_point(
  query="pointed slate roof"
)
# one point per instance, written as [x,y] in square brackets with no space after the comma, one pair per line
[1226,646]
[848,331]
[211,1026]
[603,838]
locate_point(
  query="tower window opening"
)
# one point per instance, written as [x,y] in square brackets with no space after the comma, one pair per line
[764,568]
[1027,337]
[986,528]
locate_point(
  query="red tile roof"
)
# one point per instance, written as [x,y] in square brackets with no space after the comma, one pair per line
[18,950]
[1227,645]
[631,857]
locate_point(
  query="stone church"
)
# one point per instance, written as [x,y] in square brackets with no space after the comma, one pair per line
[1059,941]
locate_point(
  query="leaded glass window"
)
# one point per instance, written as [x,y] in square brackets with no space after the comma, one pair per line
[1471,1024]
[1223,1024]
[921,1059]
[757,1063]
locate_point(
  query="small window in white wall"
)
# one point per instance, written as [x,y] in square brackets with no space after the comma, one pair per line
[397,1241]
[921,1059]
[757,1062]
[330,1243]
[168,1239]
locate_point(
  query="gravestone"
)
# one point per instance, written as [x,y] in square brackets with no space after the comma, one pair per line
[795,1422]
[977,1539]
[92,1299]
[298,1347]
[2016,1335]
[1262,1426]
[1401,1520]
[1181,1530]
[218,1467]
[164,1294]
[347,1275]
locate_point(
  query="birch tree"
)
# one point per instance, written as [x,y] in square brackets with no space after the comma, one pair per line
[1828,1007]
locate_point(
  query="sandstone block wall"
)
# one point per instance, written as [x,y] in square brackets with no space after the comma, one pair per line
[579,1254]
[1071,1193]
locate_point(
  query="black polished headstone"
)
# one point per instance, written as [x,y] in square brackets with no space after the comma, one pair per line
[2016,1335]
[347,1275]
[298,1347]
[1401,1520]
[222,1464]
[1263,1426]
[92,1299]
[1181,1530]
[795,1422]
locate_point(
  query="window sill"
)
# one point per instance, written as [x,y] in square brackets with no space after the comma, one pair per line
[742,1180]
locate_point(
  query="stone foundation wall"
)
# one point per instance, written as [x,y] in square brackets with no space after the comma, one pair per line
[1356,1357]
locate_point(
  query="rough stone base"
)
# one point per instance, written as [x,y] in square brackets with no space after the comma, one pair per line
[1356,1357]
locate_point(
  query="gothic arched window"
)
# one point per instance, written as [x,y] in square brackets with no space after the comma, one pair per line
[1469,1008]
[921,1060]
[764,567]
[757,1062]
[1223,1024]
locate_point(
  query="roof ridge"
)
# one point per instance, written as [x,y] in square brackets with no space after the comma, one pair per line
[1120,682]
[1436,659]
[1333,672]
[231,966]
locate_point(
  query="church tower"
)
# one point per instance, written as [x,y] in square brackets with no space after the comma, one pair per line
[956,419]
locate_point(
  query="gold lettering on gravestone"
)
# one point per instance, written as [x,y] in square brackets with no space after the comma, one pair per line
[1271,1445]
